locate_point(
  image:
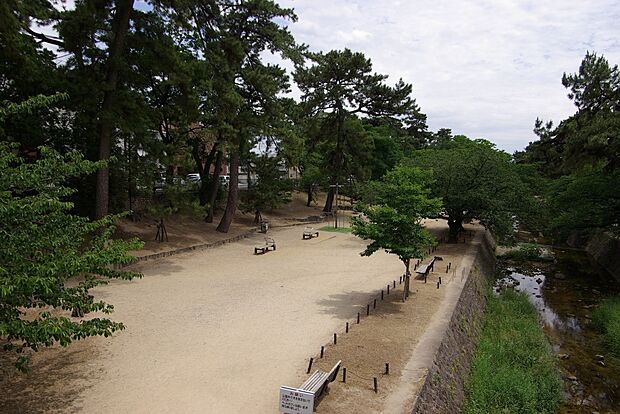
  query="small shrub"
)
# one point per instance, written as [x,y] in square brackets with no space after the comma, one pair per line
[526,252]
[606,319]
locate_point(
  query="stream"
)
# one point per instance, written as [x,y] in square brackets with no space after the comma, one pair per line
[565,293]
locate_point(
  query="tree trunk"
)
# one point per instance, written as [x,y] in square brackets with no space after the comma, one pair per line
[337,158]
[330,200]
[203,170]
[233,194]
[120,26]
[456,226]
[215,186]
[310,195]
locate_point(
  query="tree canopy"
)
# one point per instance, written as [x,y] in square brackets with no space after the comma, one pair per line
[394,222]
[476,181]
[43,246]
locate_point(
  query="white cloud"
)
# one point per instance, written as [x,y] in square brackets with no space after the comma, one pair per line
[484,68]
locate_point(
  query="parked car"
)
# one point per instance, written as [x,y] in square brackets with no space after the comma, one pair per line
[193,178]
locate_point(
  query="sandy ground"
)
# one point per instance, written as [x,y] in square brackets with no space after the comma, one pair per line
[218,331]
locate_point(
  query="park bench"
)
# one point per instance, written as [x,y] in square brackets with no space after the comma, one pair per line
[309,233]
[270,243]
[319,380]
[424,270]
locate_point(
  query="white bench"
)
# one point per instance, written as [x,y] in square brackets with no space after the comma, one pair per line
[309,233]
[270,243]
[424,270]
[318,381]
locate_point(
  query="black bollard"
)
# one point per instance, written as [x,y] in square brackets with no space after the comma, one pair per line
[437,285]
[387,368]
[394,285]
[388,289]
[358,317]
[440,280]
[381,294]
[322,350]
[367,310]
[344,375]
[335,339]
[310,365]
[374,380]
[374,304]
[347,327]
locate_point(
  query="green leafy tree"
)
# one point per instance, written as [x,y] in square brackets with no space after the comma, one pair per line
[476,181]
[339,86]
[394,223]
[44,246]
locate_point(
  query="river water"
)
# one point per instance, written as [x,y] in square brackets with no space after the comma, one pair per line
[565,293]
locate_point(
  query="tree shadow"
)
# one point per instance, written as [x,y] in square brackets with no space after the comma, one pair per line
[54,382]
[346,305]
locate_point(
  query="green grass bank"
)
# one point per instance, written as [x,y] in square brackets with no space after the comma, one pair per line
[606,318]
[514,370]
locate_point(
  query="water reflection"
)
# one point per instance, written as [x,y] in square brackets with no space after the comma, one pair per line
[532,284]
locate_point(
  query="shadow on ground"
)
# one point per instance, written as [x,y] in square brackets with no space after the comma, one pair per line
[346,305]
[52,384]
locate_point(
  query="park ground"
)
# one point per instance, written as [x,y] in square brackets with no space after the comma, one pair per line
[219,330]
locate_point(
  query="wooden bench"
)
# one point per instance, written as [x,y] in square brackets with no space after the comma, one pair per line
[309,233]
[270,243]
[424,270]
[319,380]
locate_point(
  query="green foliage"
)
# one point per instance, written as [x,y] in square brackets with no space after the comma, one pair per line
[585,202]
[271,189]
[526,253]
[514,370]
[476,182]
[606,319]
[338,87]
[44,247]
[394,222]
[581,156]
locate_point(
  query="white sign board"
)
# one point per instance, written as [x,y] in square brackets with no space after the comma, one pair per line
[294,401]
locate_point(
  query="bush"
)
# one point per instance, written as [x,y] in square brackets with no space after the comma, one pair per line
[606,319]
[514,370]
[526,252]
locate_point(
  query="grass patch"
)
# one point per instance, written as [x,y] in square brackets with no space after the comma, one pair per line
[606,319]
[337,230]
[514,370]
[526,253]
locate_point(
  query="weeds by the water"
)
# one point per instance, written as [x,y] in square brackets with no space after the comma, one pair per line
[336,230]
[606,318]
[526,253]
[514,370]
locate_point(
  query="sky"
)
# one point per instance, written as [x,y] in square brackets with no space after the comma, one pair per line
[485,69]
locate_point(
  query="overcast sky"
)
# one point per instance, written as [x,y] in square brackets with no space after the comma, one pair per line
[485,69]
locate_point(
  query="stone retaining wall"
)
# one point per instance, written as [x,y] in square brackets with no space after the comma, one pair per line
[443,390]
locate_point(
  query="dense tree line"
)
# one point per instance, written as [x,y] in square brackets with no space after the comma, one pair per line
[575,166]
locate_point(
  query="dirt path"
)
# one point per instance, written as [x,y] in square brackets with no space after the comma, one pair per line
[218,331]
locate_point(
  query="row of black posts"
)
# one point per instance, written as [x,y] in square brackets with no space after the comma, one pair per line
[405,278]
